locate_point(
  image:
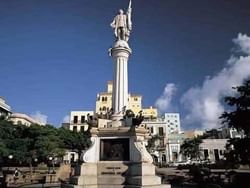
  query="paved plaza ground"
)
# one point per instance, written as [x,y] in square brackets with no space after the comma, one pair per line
[177,178]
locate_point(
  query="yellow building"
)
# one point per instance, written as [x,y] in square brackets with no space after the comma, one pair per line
[150,113]
[104,100]
[104,103]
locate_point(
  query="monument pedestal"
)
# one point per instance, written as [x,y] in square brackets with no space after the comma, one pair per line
[118,158]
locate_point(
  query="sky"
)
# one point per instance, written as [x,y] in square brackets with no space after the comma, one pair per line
[186,56]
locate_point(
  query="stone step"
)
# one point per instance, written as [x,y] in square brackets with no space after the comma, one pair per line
[114,186]
[84,180]
[111,180]
[144,180]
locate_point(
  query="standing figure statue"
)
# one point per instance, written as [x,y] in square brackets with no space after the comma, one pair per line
[122,24]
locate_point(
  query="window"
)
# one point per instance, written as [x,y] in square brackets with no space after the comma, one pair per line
[161,143]
[164,158]
[135,99]
[75,128]
[152,130]
[216,155]
[91,118]
[82,119]
[206,154]
[75,119]
[160,131]
[82,128]
[221,152]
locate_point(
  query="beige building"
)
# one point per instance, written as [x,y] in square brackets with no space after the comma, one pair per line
[19,118]
[193,133]
[78,120]
[213,149]
[104,103]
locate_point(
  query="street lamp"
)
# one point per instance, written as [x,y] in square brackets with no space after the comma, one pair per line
[52,161]
[35,161]
[10,158]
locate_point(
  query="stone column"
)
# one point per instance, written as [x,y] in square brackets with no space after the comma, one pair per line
[120,54]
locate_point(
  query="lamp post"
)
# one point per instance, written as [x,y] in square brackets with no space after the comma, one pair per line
[35,161]
[10,158]
[51,159]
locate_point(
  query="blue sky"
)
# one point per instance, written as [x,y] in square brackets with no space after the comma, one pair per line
[54,54]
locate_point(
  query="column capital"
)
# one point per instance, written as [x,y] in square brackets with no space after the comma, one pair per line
[120,48]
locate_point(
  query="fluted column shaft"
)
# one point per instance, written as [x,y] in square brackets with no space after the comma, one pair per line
[120,57]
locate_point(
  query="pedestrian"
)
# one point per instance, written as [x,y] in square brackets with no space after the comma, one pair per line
[16,175]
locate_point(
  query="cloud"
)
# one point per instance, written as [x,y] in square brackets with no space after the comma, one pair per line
[66,119]
[204,104]
[163,103]
[38,116]
[243,42]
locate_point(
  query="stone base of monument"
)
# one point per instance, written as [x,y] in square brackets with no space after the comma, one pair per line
[115,174]
[117,158]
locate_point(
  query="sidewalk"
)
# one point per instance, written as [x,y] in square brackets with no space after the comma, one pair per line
[37,185]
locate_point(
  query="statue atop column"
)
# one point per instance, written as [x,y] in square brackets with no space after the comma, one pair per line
[122,24]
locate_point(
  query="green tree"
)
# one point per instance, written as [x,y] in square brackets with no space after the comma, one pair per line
[239,118]
[191,148]
[28,143]
[77,141]
[6,134]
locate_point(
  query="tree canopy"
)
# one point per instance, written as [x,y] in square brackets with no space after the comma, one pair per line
[191,148]
[239,118]
[26,144]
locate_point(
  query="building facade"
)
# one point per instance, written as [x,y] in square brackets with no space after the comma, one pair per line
[104,103]
[5,109]
[150,113]
[23,119]
[173,122]
[213,149]
[158,132]
[78,120]
[173,147]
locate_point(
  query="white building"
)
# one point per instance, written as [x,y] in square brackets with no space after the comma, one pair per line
[78,120]
[24,119]
[173,122]
[5,109]
[158,130]
[231,133]
[169,139]
[174,142]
